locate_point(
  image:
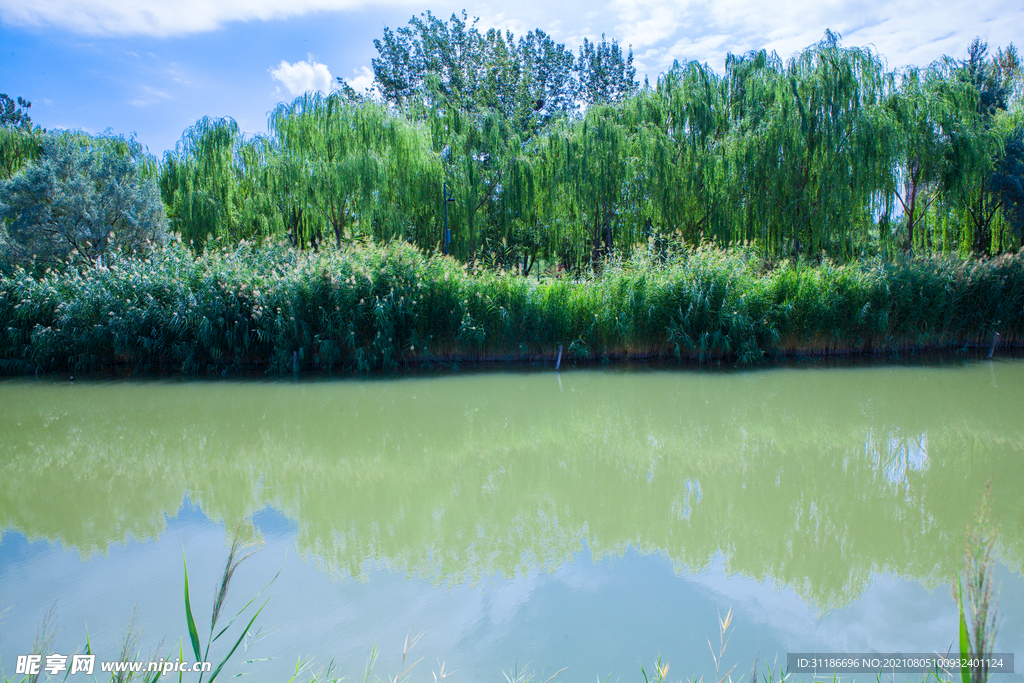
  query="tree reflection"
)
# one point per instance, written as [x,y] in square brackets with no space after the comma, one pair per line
[813,478]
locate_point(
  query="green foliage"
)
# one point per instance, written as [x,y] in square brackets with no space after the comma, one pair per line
[18,147]
[332,168]
[453,64]
[978,619]
[566,159]
[19,141]
[485,95]
[1008,181]
[14,113]
[379,308]
[810,160]
[218,604]
[215,184]
[604,75]
[351,169]
[85,198]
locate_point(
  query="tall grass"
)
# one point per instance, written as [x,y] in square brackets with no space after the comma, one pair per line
[271,308]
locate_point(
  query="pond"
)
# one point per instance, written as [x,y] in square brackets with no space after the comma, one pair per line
[590,521]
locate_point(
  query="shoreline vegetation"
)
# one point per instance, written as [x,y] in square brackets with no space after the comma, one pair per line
[818,205]
[236,309]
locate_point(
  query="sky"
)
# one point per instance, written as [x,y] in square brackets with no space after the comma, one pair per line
[152,68]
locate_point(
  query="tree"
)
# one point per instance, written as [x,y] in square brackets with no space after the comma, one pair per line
[349,167]
[84,198]
[490,99]
[812,151]
[919,114]
[14,113]
[993,79]
[687,185]
[587,166]
[19,142]
[215,183]
[604,75]
[1008,181]
[17,148]
[489,173]
[975,174]
[435,63]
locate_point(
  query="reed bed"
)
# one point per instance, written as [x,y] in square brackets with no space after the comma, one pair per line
[271,308]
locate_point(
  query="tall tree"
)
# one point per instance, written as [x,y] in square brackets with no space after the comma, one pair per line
[86,197]
[1008,181]
[214,184]
[980,89]
[14,112]
[604,75]
[920,114]
[353,167]
[454,64]
[810,170]
[20,143]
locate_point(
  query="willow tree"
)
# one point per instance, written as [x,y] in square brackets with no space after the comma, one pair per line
[648,165]
[213,184]
[489,176]
[980,89]
[487,96]
[20,142]
[18,148]
[812,153]
[587,165]
[920,113]
[484,95]
[689,109]
[353,168]
[612,175]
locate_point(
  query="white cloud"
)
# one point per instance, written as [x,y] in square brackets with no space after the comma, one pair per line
[302,77]
[660,31]
[150,96]
[362,80]
[905,31]
[161,17]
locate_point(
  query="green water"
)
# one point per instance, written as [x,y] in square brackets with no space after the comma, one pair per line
[813,483]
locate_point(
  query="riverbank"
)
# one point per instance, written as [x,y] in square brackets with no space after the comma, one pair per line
[272,309]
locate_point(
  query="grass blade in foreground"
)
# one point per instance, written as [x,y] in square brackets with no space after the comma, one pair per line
[193,633]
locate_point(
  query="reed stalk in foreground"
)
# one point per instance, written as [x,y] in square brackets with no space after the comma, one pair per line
[218,603]
[978,620]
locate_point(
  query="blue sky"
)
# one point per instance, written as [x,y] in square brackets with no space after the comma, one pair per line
[153,67]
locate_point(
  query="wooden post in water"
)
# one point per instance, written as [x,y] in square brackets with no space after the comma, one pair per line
[559,361]
[995,340]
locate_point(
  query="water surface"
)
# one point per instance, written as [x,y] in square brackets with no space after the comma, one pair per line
[593,519]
